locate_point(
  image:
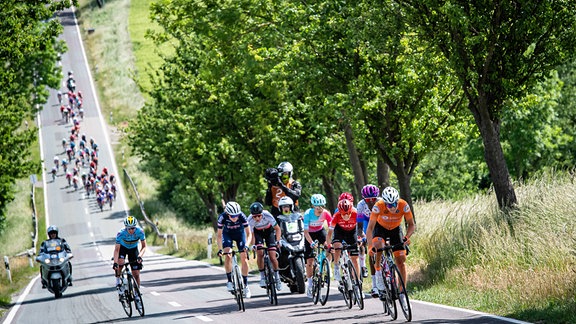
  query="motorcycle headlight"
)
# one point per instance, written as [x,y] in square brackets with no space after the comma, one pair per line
[47,261]
[61,259]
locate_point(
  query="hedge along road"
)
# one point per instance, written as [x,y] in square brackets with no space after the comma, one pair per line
[174,289]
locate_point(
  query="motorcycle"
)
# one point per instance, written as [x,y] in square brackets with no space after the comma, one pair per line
[291,254]
[55,267]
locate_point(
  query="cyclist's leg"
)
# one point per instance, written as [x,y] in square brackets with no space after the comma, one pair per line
[133,256]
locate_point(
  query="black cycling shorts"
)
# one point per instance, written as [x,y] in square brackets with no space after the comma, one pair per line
[132,256]
[341,235]
[320,236]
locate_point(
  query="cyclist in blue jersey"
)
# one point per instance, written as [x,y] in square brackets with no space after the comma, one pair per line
[233,226]
[127,246]
[315,219]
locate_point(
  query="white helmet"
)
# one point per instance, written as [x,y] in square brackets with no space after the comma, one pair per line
[232,208]
[286,201]
[285,167]
[390,195]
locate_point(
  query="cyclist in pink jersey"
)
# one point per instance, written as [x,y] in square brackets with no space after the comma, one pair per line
[314,220]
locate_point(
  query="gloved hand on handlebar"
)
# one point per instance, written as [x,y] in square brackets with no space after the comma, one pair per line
[220,252]
[313,245]
[139,259]
[115,266]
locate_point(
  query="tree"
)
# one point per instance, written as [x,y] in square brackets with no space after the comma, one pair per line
[498,50]
[28,53]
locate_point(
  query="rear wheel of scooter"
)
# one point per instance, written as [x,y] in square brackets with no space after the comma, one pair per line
[299,273]
[56,288]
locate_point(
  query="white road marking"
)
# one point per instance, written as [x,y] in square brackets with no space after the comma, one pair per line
[175,304]
[154,293]
[204,318]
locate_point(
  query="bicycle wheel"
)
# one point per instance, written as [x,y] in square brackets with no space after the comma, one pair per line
[398,281]
[346,288]
[137,297]
[324,282]
[315,282]
[238,285]
[270,283]
[125,301]
[388,300]
[357,293]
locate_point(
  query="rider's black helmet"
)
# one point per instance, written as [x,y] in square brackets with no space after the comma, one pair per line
[52,229]
[256,208]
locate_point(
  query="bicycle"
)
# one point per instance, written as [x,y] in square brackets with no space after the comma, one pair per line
[393,281]
[320,276]
[132,292]
[351,287]
[269,277]
[237,281]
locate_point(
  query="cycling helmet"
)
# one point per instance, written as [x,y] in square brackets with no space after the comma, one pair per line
[345,206]
[130,221]
[285,167]
[52,228]
[285,201]
[318,200]
[232,208]
[370,191]
[346,196]
[256,208]
[390,195]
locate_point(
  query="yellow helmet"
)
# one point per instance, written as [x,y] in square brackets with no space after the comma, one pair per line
[130,221]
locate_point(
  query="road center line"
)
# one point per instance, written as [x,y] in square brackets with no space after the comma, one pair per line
[175,304]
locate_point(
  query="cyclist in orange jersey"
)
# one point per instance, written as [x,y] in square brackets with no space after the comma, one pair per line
[385,222]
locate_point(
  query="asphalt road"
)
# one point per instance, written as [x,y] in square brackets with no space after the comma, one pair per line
[175,290]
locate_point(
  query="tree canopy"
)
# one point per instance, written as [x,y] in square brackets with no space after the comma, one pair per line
[29,50]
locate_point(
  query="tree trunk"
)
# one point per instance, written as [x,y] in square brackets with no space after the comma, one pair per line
[383,173]
[494,155]
[359,179]
[404,188]
[328,185]
[212,209]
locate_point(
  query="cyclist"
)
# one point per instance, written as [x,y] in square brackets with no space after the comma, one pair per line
[343,226]
[127,246]
[385,222]
[233,226]
[314,219]
[370,194]
[52,232]
[265,229]
[281,186]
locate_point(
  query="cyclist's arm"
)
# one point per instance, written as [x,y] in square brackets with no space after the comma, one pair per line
[143,250]
[278,232]
[411,227]
[370,230]
[116,252]
[219,238]
[248,234]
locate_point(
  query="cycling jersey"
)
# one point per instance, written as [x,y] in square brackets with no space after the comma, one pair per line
[314,223]
[267,221]
[227,225]
[390,219]
[347,225]
[130,241]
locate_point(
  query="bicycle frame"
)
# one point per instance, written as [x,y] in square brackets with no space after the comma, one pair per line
[131,292]
[351,282]
[320,276]
[237,281]
[269,277]
[393,281]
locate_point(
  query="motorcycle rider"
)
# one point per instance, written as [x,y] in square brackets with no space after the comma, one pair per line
[280,186]
[52,232]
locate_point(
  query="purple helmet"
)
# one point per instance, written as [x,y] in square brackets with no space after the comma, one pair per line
[370,191]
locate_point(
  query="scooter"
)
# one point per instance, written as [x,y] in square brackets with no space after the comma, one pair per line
[55,267]
[291,255]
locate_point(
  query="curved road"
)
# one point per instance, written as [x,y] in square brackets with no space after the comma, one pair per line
[174,289]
